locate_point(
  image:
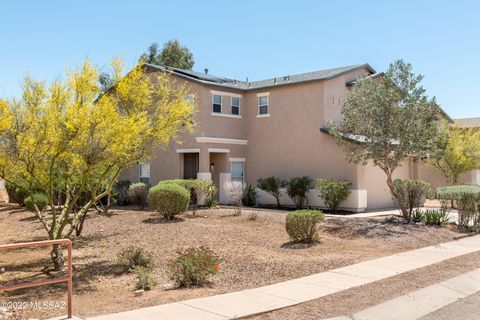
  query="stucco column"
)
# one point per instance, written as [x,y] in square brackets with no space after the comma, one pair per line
[204,164]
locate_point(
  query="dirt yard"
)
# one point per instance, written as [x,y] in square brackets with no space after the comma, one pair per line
[253,253]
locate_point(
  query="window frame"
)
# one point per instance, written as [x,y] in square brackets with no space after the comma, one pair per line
[213,103]
[141,177]
[263,105]
[235,106]
[243,171]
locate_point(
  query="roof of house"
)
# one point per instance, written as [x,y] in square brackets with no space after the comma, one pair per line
[252,85]
[468,122]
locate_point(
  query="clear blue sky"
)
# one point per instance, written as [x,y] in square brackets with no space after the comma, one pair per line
[254,39]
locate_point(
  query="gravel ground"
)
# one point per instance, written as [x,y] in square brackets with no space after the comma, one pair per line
[253,253]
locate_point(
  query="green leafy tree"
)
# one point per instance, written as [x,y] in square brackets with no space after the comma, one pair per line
[173,54]
[388,120]
[272,186]
[459,152]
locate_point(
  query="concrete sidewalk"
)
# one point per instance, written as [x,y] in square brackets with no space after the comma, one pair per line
[289,293]
[425,301]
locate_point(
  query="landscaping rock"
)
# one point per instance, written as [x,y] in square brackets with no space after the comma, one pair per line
[169,286]
[139,293]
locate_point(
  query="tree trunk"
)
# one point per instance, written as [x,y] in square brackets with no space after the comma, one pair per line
[79,226]
[278,202]
[405,213]
[57,257]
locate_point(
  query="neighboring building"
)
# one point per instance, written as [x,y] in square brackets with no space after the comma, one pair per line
[252,130]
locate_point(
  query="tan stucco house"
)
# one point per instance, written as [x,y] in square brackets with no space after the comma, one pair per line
[251,130]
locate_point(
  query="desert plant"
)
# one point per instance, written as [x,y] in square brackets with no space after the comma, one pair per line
[193,266]
[131,257]
[435,217]
[120,192]
[37,201]
[169,199]
[144,280]
[138,194]
[272,186]
[297,189]
[418,216]
[252,216]
[302,225]
[236,191]
[409,194]
[466,198]
[249,196]
[211,203]
[333,192]
[196,187]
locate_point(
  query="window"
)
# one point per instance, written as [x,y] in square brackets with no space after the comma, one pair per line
[237,171]
[263,105]
[217,103]
[235,105]
[145,172]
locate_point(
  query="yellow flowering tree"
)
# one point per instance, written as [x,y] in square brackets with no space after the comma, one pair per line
[460,152]
[67,140]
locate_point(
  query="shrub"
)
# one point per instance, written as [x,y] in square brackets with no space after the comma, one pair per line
[130,258]
[211,203]
[452,192]
[302,225]
[143,279]
[418,216]
[120,192]
[249,196]
[252,215]
[272,186]
[333,192]
[38,199]
[195,187]
[169,199]
[466,198]
[19,190]
[408,195]
[193,266]
[297,190]
[138,193]
[435,217]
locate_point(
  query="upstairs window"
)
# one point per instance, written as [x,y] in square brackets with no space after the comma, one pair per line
[263,105]
[235,105]
[145,172]
[217,103]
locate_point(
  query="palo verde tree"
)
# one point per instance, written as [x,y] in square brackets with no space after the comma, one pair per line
[70,143]
[459,152]
[387,120]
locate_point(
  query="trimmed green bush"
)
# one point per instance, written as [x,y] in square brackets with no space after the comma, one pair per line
[466,198]
[138,194]
[144,280]
[453,192]
[408,195]
[297,190]
[38,199]
[195,187]
[333,192]
[169,199]
[193,266]
[302,225]
[132,257]
[249,196]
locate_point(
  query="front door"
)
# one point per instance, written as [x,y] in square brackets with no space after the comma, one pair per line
[190,165]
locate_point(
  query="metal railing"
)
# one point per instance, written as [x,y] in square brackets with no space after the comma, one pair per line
[67,278]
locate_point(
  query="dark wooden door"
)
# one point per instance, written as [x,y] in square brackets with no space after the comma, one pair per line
[190,165]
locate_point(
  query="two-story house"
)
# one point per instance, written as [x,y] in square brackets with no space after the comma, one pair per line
[251,130]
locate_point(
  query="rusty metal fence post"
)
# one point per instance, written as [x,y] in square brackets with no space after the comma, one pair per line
[68,279]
